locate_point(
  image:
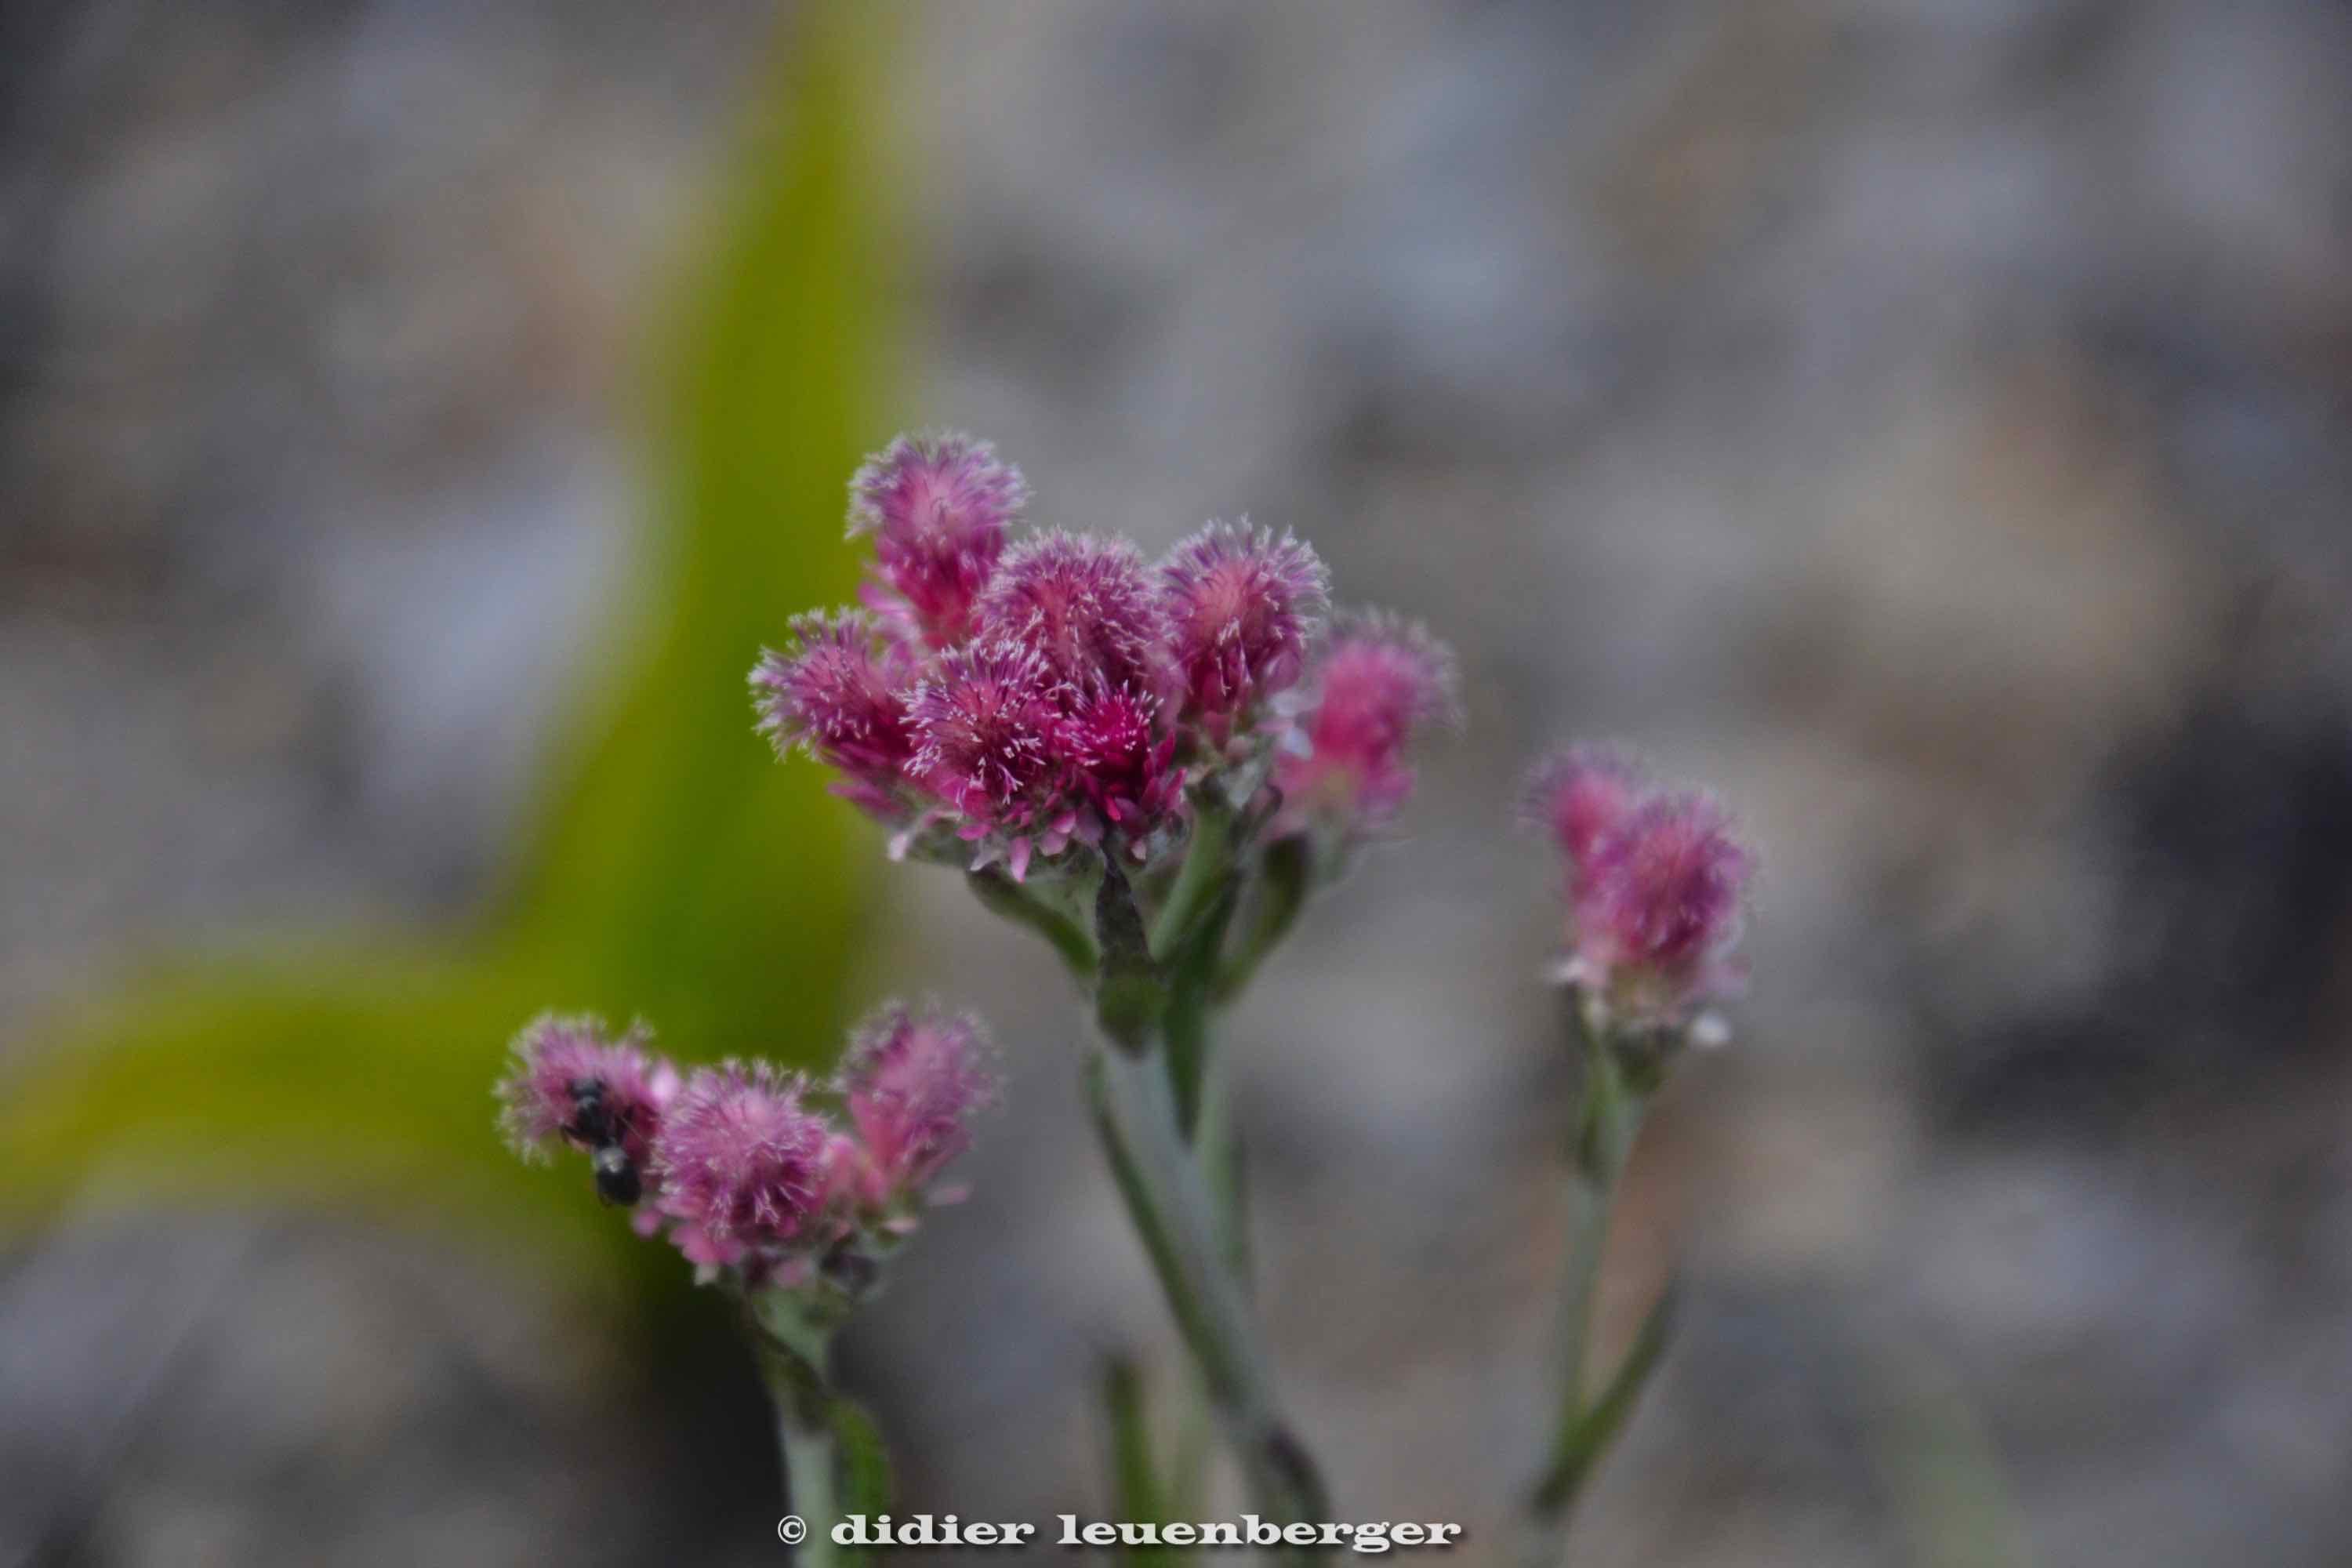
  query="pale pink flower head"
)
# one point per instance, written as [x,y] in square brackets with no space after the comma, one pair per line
[1379,682]
[1242,607]
[1128,775]
[1085,605]
[740,1160]
[987,722]
[572,1083]
[1579,793]
[839,692]
[938,507]
[1657,905]
[913,1080]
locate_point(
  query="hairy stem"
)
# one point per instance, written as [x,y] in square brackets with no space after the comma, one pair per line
[1158,1178]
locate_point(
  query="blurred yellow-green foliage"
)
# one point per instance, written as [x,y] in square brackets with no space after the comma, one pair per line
[672,869]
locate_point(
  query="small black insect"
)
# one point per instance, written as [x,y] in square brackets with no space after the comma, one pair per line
[592,1120]
[617,1181]
[594,1124]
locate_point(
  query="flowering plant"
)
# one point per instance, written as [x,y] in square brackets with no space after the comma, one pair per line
[1653,881]
[1153,766]
[790,1207]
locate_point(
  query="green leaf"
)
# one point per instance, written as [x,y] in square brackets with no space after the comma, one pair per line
[866,1482]
[1135,1476]
[674,869]
[1583,1440]
[1022,905]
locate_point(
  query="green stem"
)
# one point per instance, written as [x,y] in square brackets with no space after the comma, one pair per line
[1284,871]
[1207,866]
[793,1348]
[1223,1166]
[1135,1117]
[1190,1041]
[1611,1119]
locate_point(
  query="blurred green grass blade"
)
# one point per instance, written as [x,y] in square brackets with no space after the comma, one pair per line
[359,1083]
[678,857]
[676,869]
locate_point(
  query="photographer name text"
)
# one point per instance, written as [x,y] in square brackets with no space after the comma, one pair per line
[1369,1537]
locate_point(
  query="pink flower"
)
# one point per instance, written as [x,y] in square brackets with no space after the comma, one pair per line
[1656,903]
[1378,682]
[912,1081]
[937,507]
[1085,605]
[1242,606]
[1579,793]
[740,1163]
[572,1084]
[987,725]
[1128,776]
[840,694]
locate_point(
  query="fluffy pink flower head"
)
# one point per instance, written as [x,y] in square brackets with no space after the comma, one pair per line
[937,507]
[987,724]
[1579,793]
[1085,605]
[1242,606]
[1128,776]
[913,1080]
[1657,906]
[840,694]
[740,1163]
[1378,682]
[569,1083]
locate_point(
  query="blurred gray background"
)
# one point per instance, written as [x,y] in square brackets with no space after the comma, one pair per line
[1926,423]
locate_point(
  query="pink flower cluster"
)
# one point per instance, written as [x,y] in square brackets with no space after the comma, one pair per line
[742,1163]
[1654,883]
[1006,699]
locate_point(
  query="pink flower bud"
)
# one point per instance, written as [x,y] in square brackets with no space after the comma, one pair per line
[1084,604]
[1579,793]
[840,694]
[740,1163]
[987,724]
[1380,681]
[912,1081]
[937,507]
[1242,606]
[1657,904]
[1128,777]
